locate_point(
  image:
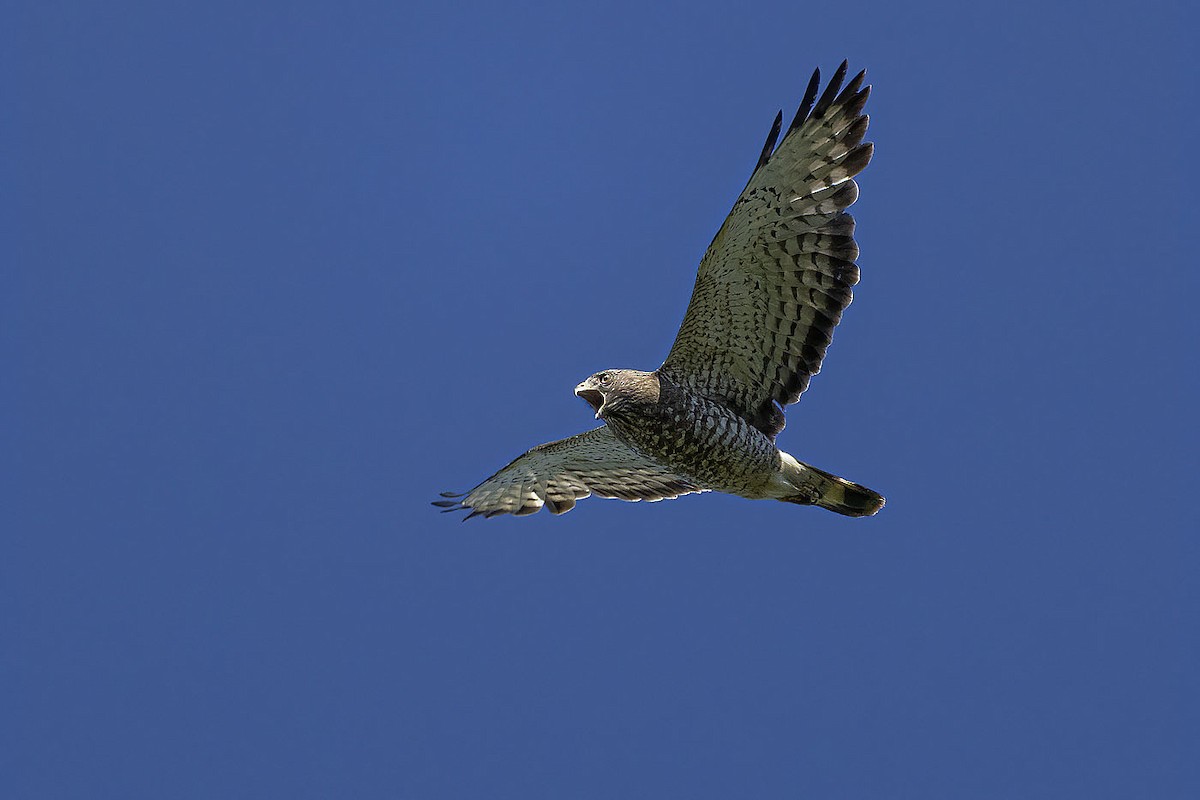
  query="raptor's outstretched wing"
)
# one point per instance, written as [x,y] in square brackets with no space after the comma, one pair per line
[775,280]
[559,473]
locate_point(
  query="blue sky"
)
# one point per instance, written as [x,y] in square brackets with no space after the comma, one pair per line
[285,271]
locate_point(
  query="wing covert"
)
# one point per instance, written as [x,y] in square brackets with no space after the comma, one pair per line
[778,275]
[557,474]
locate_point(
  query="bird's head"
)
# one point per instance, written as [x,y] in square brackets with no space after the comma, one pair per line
[614,389]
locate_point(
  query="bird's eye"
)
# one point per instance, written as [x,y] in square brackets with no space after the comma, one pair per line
[603,378]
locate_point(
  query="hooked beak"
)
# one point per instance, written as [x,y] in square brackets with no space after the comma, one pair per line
[593,396]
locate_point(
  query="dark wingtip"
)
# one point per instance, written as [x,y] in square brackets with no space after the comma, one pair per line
[449,505]
[769,145]
[851,87]
[831,91]
[810,95]
[858,158]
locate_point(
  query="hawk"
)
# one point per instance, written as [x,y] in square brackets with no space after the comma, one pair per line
[769,291]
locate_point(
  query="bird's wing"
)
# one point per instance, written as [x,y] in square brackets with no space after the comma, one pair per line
[775,280]
[559,473]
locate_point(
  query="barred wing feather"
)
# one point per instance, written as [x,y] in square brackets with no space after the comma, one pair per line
[557,474]
[776,278]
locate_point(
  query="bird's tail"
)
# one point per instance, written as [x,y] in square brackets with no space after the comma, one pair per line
[817,487]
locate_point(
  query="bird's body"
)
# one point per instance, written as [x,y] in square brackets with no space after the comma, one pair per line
[769,292]
[690,435]
[711,447]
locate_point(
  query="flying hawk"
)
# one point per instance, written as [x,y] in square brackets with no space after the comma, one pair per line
[769,292]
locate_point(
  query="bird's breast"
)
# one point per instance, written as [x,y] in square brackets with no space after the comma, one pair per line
[702,440]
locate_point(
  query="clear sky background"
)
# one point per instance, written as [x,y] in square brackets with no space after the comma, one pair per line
[276,274]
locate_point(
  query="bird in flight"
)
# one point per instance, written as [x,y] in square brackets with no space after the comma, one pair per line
[769,291]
